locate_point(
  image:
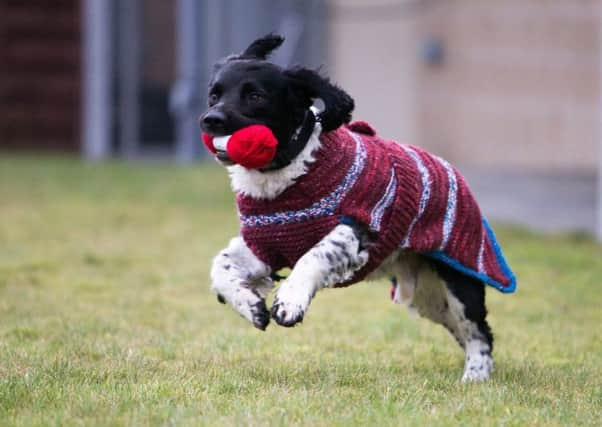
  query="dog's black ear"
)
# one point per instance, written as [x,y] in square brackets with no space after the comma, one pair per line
[338,105]
[261,48]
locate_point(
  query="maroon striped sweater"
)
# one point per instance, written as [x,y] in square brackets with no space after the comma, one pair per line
[409,198]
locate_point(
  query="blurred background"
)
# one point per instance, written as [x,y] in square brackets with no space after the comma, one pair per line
[509,91]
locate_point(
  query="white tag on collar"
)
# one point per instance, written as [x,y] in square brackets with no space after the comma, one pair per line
[221,142]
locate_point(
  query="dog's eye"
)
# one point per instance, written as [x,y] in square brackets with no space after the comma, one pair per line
[212,99]
[255,97]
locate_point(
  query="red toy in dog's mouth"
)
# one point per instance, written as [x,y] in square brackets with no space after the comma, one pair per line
[253,147]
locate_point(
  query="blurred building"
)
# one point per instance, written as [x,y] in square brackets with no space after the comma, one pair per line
[507,90]
[127,77]
[40,79]
[511,83]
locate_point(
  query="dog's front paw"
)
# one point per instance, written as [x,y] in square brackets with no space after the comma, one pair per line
[252,307]
[286,313]
[261,315]
[290,304]
[247,302]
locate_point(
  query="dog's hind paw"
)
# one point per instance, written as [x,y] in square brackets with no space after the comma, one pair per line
[478,368]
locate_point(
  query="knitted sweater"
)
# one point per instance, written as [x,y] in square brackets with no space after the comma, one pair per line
[408,198]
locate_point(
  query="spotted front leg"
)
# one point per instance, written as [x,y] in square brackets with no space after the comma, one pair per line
[333,260]
[242,281]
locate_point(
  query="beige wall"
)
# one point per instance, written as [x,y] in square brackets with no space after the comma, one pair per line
[519,86]
[371,56]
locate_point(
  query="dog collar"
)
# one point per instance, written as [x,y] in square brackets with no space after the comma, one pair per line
[296,143]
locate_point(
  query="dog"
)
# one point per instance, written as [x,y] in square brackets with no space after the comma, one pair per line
[338,205]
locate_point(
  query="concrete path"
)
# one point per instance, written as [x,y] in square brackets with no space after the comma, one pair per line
[544,202]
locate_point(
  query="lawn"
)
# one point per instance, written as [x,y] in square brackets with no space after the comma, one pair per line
[106,318]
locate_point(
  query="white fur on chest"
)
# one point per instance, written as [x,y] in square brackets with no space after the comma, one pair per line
[268,185]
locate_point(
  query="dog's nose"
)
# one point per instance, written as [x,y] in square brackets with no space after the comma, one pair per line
[213,121]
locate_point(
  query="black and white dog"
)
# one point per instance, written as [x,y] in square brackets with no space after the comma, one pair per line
[245,89]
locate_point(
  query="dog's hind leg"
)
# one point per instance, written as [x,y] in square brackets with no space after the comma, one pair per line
[470,326]
[457,301]
[333,260]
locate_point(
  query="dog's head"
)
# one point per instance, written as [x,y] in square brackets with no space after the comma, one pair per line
[245,89]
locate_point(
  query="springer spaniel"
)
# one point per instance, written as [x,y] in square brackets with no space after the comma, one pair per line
[338,204]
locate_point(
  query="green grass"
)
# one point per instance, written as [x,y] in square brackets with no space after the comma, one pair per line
[106,319]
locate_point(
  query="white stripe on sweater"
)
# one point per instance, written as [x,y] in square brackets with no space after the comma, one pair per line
[480,266]
[385,201]
[424,197]
[450,211]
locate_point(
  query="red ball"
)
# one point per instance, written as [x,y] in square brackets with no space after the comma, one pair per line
[252,147]
[208,141]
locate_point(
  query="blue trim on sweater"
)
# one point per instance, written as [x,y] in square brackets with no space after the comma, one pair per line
[442,256]
[347,220]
